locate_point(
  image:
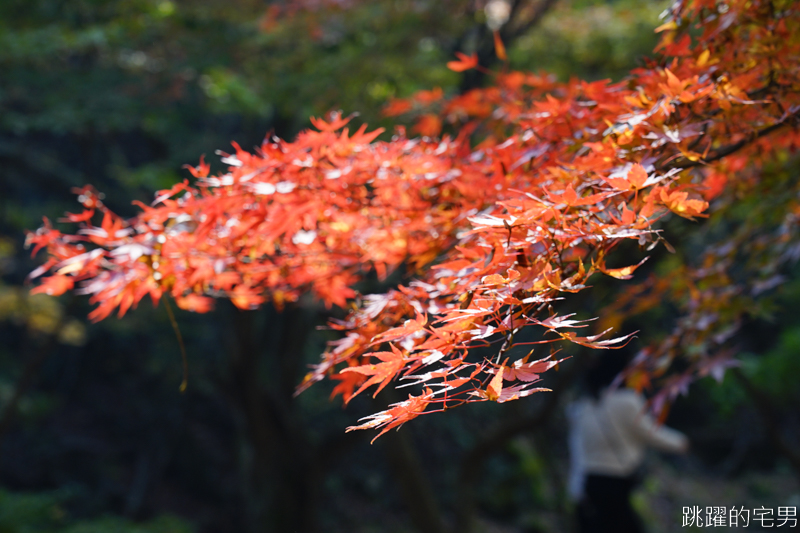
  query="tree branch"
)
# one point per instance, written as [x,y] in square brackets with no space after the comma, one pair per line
[684,163]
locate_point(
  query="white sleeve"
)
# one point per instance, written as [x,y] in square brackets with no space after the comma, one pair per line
[645,428]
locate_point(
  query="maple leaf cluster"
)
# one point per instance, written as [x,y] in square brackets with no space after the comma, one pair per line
[730,281]
[496,232]
[306,216]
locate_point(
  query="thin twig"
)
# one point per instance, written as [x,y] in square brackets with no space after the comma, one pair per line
[184,360]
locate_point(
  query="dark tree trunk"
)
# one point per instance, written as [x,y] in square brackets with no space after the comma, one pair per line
[415,485]
[283,473]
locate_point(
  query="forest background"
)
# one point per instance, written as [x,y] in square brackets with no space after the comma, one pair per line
[94,433]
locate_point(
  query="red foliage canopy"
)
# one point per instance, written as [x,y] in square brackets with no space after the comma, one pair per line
[563,173]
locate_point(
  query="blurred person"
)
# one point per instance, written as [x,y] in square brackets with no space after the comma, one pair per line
[610,431]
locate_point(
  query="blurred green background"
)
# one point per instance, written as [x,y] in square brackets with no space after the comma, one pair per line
[94,434]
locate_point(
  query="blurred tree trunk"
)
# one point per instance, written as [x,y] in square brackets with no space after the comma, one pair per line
[524,15]
[283,473]
[415,486]
[495,440]
[285,469]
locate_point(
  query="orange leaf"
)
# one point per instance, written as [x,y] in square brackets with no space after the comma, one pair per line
[499,47]
[382,373]
[54,285]
[399,414]
[529,372]
[397,106]
[428,125]
[245,298]
[429,97]
[201,170]
[408,328]
[681,203]
[464,62]
[622,273]
[494,279]
[637,176]
[347,382]
[195,303]
[83,217]
[495,388]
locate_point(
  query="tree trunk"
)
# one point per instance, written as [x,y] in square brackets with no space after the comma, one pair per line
[471,466]
[415,487]
[282,475]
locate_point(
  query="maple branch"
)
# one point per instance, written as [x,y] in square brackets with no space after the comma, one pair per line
[683,162]
[270,228]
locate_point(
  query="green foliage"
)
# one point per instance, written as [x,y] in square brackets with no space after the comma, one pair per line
[775,371]
[591,39]
[46,512]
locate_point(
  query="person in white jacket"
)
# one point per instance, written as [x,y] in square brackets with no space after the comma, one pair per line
[609,433]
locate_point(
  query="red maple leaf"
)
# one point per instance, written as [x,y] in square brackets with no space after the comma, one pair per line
[465,62]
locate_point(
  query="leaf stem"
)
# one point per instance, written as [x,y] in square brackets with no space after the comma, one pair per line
[184,360]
